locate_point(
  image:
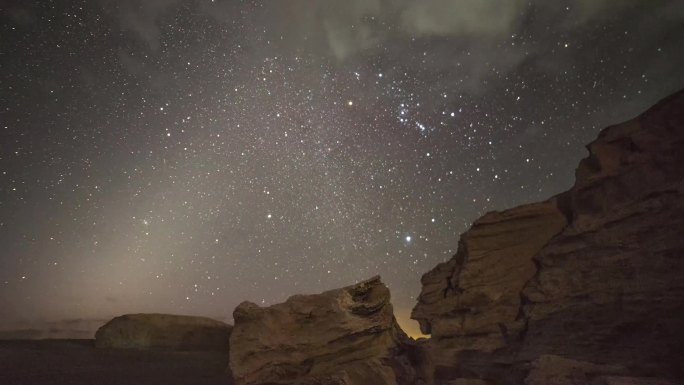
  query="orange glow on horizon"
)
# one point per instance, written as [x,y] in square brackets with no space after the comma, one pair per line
[409,326]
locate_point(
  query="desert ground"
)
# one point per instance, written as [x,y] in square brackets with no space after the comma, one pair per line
[78,362]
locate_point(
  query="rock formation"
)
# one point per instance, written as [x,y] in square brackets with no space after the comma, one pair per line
[477,292]
[144,331]
[347,336]
[586,283]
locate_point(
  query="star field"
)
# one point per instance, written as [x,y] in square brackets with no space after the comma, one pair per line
[183,156]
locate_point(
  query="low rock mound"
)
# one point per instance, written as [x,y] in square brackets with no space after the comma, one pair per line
[347,336]
[165,331]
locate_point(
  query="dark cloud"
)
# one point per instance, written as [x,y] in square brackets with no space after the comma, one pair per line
[480,35]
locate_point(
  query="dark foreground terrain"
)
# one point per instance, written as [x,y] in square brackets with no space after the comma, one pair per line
[76,362]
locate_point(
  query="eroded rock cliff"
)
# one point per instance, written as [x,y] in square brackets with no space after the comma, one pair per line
[347,336]
[475,296]
[590,276]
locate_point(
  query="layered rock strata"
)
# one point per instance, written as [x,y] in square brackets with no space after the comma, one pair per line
[347,336]
[593,275]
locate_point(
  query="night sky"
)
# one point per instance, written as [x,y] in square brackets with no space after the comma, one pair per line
[182,156]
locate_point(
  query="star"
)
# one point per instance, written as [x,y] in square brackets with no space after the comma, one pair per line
[268,151]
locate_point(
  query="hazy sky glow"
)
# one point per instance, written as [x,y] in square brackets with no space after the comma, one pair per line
[183,156]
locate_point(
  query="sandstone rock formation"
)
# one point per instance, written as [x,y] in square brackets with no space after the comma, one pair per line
[477,292]
[144,331]
[347,336]
[592,275]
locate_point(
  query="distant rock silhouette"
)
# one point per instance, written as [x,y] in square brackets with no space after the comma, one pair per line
[585,288]
[347,336]
[144,331]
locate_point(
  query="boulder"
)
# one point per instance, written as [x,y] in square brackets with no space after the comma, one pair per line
[177,332]
[347,336]
[591,275]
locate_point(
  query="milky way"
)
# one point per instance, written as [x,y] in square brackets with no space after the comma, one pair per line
[183,156]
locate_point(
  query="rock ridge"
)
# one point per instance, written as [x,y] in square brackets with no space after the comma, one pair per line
[589,276]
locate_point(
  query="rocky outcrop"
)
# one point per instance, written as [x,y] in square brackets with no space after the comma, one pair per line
[347,336]
[591,276]
[145,331]
[475,296]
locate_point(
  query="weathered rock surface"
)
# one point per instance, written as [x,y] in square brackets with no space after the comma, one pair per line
[347,336]
[555,370]
[144,331]
[592,275]
[611,281]
[475,296]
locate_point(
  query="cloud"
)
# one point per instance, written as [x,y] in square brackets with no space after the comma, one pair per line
[473,36]
[586,10]
[353,32]
[344,28]
[351,27]
[475,18]
[141,17]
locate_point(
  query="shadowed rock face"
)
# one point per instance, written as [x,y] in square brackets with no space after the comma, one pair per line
[612,279]
[592,275]
[143,331]
[477,293]
[347,336]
